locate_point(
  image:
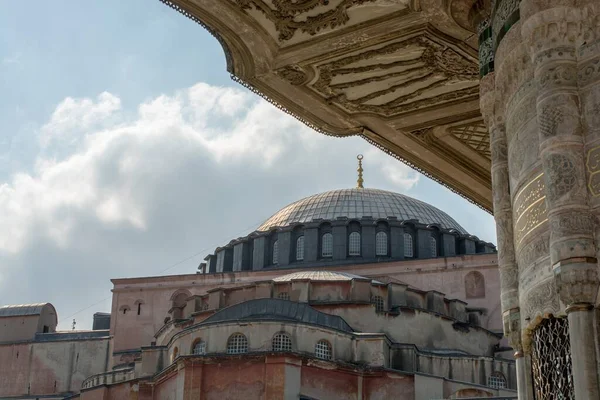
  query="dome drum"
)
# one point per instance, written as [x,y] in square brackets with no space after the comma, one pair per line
[322,242]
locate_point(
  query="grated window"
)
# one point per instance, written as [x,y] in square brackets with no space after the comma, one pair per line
[354,244]
[284,295]
[408,245]
[433,246]
[379,304]
[300,248]
[323,350]
[327,245]
[497,380]
[199,348]
[282,342]
[276,252]
[237,344]
[381,244]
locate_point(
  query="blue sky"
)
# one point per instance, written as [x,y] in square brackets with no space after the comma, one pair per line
[126,149]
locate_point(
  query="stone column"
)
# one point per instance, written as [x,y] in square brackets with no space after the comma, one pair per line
[503,214]
[554,36]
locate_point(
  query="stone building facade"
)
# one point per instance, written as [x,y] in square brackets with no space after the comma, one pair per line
[349,294]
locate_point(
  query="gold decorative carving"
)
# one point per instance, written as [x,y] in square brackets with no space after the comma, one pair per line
[386,82]
[475,136]
[593,167]
[530,208]
[289,16]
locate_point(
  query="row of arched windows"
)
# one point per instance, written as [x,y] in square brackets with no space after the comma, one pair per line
[354,246]
[238,344]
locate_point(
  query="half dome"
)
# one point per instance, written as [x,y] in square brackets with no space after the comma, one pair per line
[358,203]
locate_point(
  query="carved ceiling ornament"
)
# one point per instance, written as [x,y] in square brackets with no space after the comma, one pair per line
[290,16]
[393,87]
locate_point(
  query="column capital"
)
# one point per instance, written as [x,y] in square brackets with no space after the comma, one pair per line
[577,281]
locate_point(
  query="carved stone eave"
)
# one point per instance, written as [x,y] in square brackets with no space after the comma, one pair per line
[373,68]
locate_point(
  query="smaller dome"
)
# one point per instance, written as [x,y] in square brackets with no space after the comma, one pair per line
[319,276]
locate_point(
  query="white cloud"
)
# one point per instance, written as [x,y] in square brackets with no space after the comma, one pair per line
[113,171]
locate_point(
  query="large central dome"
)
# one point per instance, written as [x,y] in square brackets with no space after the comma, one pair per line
[358,203]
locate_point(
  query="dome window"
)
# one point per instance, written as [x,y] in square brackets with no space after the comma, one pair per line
[379,304]
[300,248]
[323,350]
[408,245]
[283,296]
[354,244]
[381,244]
[237,344]
[282,342]
[433,247]
[276,252]
[327,245]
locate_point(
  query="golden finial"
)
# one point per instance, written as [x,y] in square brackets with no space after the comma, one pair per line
[359,182]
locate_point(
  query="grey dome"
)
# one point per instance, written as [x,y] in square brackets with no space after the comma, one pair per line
[358,203]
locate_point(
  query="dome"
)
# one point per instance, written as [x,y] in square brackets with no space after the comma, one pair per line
[358,203]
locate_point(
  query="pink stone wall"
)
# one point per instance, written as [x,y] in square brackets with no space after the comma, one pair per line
[50,367]
[18,328]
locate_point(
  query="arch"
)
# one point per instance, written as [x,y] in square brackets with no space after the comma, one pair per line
[179,292]
[124,309]
[497,380]
[300,248]
[198,347]
[433,247]
[354,244]
[175,353]
[327,245]
[237,344]
[323,350]
[408,245]
[474,285]
[281,342]
[275,258]
[379,303]
[381,243]
[138,303]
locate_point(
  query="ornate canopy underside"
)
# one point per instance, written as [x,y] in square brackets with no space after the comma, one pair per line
[403,74]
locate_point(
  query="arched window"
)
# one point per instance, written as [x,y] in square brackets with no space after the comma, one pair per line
[199,347]
[300,248]
[497,380]
[284,295]
[354,244]
[474,285]
[237,344]
[408,245]
[327,245]
[175,354]
[379,304]
[433,247]
[381,244]
[282,342]
[276,252]
[323,350]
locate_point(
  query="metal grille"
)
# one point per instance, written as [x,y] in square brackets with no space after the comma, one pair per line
[354,244]
[300,248]
[276,252]
[282,342]
[323,350]
[433,246]
[327,245]
[381,244]
[496,380]
[378,301]
[408,245]
[237,344]
[200,348]
[551,360]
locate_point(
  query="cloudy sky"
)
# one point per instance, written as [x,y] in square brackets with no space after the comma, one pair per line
[126,150]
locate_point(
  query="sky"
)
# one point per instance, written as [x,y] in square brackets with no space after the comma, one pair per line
[126,150]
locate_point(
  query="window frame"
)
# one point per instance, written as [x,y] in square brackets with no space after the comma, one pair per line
[354,239]
[199,342]
[275,252]
[324,350]
[379,303]
[283,347]
[409,250]
[300,248]
[328,235]
[240,346]
[497,380]
[433,247]
[378,244]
